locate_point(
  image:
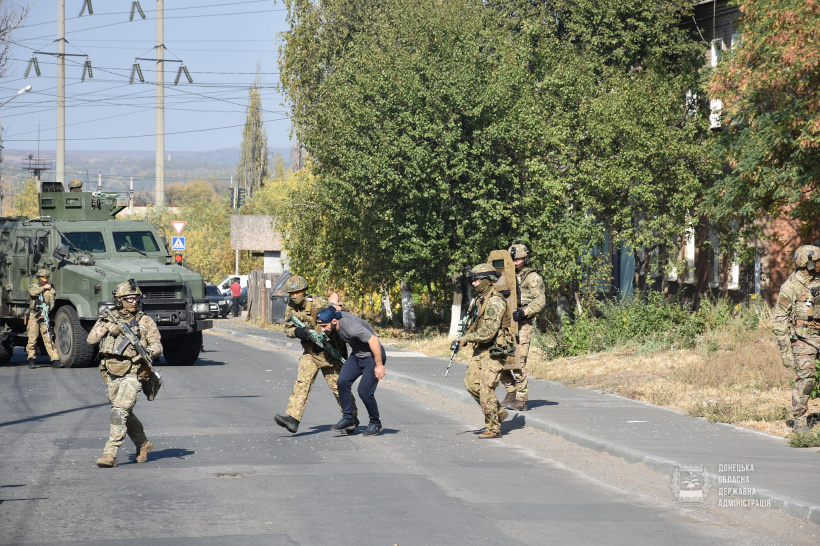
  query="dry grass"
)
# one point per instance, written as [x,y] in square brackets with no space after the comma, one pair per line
[731,377]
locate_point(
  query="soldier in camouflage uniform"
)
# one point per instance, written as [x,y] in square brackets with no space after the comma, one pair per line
[123,370]
[75,185]
[40,292]
[492,327]
[796,327]
[532,299]
[305,307]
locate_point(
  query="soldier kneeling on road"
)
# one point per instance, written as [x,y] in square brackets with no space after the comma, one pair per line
[125,368]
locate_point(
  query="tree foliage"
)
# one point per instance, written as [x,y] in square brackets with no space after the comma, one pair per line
[769,89]
[253,160]
[441,130]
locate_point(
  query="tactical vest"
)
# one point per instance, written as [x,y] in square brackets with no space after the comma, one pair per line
[504,337]
[806,313]
[525,296]
[117,352]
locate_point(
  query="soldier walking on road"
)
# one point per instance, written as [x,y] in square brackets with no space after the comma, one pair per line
[314,358]
[124,370]
[492,329]
[531,301]
[42,301]
[796,327]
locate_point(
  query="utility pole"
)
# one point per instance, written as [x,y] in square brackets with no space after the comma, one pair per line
[60,172]
[160,184]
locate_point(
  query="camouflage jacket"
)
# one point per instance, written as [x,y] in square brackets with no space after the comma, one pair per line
[797,311]
[117,355]
[306,312]
[493,316]
[34,290]
[533,294]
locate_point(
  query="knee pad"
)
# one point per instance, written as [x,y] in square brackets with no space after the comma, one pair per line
[809,386]
[118,416]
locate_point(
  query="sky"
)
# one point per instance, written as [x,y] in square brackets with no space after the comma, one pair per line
[222,44]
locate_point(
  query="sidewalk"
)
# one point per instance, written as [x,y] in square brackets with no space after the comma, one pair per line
[762,470]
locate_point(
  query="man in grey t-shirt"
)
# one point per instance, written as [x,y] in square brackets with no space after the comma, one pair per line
[366,361]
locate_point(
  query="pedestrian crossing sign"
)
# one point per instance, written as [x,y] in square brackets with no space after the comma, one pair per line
[177,243]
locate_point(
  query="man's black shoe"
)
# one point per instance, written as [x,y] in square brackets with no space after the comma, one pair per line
[31,363]
[347,425]
[287,421]
[372,429]
[56,364]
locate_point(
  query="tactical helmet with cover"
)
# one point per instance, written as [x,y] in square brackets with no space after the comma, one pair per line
[294,285]
[43,273]
[807,257]
[127,288]
[519,250]
[75,185]
[486,274]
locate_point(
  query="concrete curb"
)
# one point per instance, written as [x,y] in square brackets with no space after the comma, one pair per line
[668,467]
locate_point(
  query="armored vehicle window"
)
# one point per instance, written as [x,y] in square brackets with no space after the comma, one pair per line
[21,247]
[90,241]
[127,241]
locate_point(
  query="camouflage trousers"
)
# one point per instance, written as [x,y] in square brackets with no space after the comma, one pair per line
[123,393]
[308,369]
[805,351]
[518,383]
[35,328]
[481,379]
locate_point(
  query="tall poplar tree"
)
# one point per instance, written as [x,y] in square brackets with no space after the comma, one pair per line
[253,160]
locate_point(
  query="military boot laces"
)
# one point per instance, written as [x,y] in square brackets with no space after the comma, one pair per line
[287,422]
[142,455]
[346,425]
[108,460]
[509,398]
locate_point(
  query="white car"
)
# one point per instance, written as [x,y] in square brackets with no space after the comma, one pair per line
[225,284]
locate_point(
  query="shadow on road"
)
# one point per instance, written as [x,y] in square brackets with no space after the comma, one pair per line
[53,414]
[171,453]
[538,403]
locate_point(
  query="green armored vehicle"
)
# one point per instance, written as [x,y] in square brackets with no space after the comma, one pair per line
[89,253]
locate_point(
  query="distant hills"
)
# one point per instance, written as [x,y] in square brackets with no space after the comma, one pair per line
[117,167]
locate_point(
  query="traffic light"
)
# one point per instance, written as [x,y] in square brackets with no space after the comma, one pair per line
[178,259]
[240,197]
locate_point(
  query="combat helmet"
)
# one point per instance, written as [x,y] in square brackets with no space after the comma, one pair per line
[296,284]
[127,288]
[807,257]
[483,271]
[43,273]
[75,185]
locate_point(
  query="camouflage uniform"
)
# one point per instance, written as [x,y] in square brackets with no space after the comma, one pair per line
[122,373]
[533,299]
[484,370]
[75,185]
[313,358]
[796,328]
[36,321]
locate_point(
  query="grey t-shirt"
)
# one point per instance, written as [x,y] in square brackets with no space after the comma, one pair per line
[356,333]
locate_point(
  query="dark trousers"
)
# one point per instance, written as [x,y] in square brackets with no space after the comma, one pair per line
[353,368]
[236,306]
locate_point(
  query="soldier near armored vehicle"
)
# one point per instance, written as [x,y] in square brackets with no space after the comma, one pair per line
[314,358]
[42,300]
[796,327]
[492,331]
[75,185]
[531,301]
[124,369]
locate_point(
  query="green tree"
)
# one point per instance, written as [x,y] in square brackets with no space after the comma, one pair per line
[253,158]
[768,86]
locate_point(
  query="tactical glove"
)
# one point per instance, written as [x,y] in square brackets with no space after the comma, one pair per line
[302,333]
[114,329]
[519,315]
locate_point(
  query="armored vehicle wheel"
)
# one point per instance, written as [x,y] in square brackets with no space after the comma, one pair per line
[6,350]
[71,343]
[182,350]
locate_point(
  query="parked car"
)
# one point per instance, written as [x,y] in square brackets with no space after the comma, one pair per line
[223,303]
[225,284]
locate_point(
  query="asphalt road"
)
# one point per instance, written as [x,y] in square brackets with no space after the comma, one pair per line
[222,472]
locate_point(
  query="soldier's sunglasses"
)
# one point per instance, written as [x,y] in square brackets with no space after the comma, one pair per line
[131,299]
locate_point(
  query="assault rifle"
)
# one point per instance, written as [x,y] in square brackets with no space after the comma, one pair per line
[154,380]
[463,325]
[45,309]
[318,338]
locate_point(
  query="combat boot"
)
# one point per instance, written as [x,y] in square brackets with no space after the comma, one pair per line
[31,363]
[56,364]
[108,460]
[517,405]
[487,435]
[142,454]
[502,415]
[287,421]
[509,398]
